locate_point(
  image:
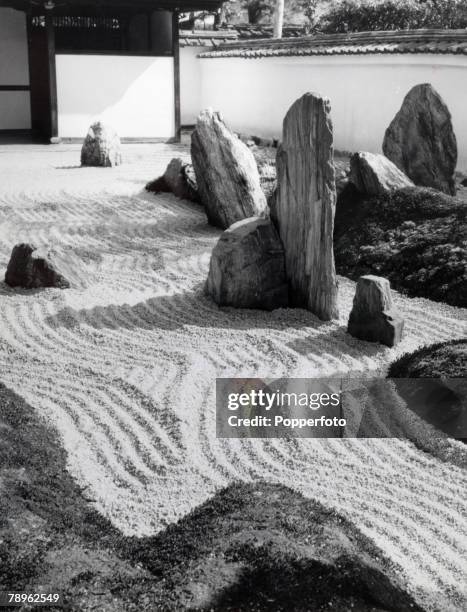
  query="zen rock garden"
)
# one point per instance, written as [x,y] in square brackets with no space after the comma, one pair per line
[280,253]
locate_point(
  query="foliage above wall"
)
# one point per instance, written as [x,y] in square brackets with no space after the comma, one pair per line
[367,15]
[353,15]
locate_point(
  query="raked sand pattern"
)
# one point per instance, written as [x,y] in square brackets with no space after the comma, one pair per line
[124,365]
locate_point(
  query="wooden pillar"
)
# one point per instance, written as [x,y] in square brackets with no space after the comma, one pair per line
[52,74]
[149,18]
[176,56]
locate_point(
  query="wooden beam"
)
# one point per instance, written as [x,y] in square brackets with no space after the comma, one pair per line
[52,73]
[93,7]
[176,56]
[14,88]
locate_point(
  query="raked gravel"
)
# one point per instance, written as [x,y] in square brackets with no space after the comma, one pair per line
[124,365]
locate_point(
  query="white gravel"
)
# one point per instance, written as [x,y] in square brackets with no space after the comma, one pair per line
[124,365]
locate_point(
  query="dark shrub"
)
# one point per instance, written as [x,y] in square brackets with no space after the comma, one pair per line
[440,400]
[415,237]
[444,359]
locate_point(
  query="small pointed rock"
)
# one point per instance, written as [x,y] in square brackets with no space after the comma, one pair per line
[31,268]
[373,317]
[101,146]
[178,179]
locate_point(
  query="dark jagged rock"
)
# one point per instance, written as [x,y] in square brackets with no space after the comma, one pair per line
[178,179]
[421,142]
[375,174]
[247,267]
[101,147]
[304,205]
[373,317]
[226,173]
[31,268]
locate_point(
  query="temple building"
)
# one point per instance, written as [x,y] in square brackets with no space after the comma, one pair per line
[66,63]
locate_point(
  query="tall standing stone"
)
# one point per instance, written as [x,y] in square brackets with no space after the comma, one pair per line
[373,317]
[226,173]
[305,204]
[421,142]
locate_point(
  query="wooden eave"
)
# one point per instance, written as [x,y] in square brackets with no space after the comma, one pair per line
[110,7]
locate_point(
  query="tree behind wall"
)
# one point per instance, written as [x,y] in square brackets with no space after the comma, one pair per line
[278,19]
[371,15]
[262,11]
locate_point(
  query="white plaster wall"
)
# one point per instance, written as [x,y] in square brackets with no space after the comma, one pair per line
[190,84]
[133,94]
[15,112]
[365,92]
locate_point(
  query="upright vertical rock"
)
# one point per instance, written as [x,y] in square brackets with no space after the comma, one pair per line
[226,173]
[305,204]
[373,317]
[101,147]
[421,142]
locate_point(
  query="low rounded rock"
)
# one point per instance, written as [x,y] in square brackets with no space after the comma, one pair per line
[247,268]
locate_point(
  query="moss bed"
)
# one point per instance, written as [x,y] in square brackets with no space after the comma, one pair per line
[443,359]
[441,400]
[415,237]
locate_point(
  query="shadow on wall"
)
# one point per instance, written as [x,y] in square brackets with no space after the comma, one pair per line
[133,93]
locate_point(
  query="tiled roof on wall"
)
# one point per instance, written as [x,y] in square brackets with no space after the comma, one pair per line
[214,38]
[206,38]
[408,41]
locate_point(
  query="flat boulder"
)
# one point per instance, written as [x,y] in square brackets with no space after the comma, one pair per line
[375,175]
[421,142]
[178,179]
[226,173]
[304,205]
[101,146]
[247,268]
[373,317]
[30,268]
